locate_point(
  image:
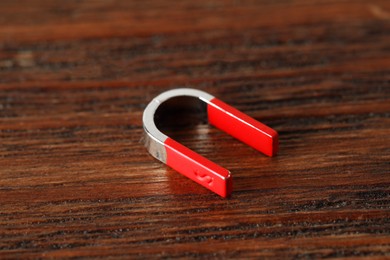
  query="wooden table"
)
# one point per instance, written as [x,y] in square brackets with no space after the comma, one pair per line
[75,181]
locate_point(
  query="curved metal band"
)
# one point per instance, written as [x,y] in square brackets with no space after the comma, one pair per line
[154,139]
[193,165]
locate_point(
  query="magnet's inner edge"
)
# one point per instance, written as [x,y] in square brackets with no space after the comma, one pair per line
[182,112]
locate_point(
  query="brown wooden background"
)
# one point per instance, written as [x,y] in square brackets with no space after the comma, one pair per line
[75,77]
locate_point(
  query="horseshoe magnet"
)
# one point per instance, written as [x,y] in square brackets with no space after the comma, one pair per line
[221,115]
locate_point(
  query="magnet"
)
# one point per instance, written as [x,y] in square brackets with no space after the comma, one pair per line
[219,114]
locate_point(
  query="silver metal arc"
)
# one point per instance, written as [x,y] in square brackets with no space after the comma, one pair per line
[153,138]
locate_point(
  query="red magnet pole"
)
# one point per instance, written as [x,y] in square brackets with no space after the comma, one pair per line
[194,166]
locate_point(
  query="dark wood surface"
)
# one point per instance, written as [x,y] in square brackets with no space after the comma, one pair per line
[75,181]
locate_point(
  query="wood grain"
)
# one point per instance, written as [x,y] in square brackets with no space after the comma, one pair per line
[75,181]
